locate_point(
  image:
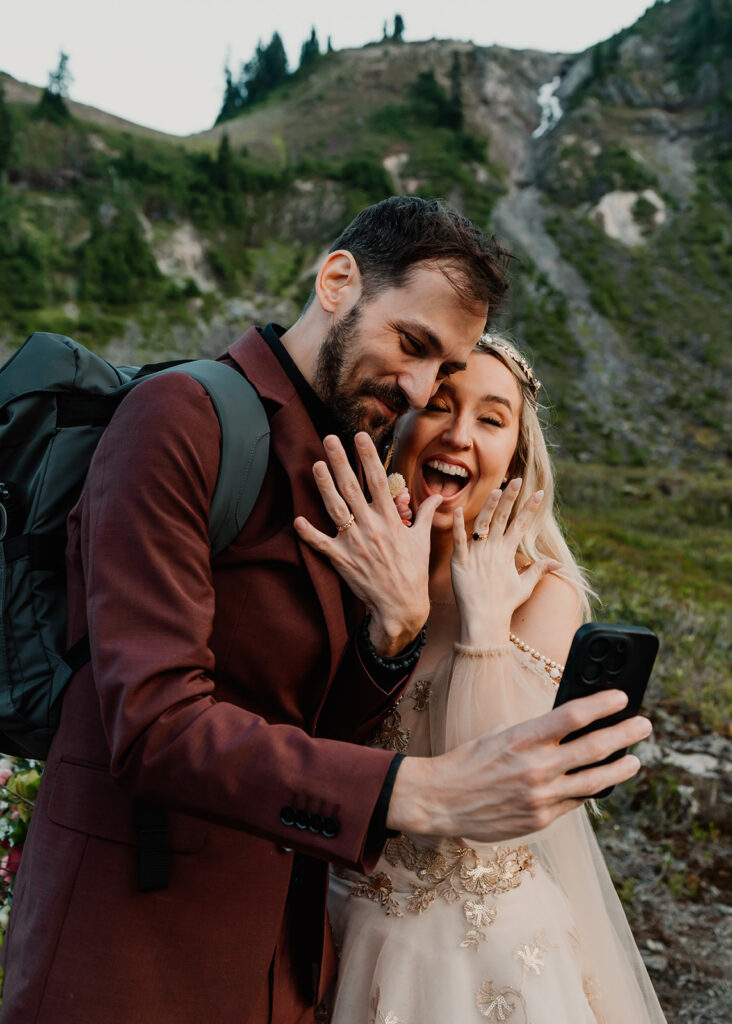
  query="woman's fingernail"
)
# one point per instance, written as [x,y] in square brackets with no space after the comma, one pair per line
[538,496]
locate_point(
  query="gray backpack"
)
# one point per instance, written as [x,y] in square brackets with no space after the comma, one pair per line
[56,398]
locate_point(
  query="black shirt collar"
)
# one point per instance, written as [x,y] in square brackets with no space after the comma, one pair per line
[320,415]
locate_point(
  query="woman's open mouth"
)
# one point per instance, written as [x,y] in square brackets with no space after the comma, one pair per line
[445,478]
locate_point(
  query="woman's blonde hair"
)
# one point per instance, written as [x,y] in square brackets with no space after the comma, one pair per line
[532,463]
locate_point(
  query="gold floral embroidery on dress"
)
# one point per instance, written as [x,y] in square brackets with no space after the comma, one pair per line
[480,915]
[389,734]
[379,889]
[503,1004]
[377,1016]
[530,953]
[452,874]
[420,694]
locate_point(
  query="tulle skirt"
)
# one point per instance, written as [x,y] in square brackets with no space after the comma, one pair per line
[500,956]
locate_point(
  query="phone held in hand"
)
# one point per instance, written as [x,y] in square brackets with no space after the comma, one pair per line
[607,656]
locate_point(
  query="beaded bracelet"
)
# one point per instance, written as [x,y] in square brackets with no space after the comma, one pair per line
[408,657]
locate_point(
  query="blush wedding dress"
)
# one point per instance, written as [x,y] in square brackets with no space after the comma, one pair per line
[450,931]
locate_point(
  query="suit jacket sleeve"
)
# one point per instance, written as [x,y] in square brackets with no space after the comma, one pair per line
[150,606]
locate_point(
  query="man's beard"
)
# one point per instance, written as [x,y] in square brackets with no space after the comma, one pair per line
[345,398]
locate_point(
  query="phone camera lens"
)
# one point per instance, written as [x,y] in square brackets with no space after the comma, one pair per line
[599,648]
[591,673]
[616,661]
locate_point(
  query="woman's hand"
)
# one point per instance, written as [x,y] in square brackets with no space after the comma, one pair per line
[384,563]
[488,586]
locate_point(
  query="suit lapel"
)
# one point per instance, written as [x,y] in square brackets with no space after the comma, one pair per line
[296,445]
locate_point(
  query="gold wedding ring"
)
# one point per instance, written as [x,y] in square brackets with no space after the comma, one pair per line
[481,536]
[347,525]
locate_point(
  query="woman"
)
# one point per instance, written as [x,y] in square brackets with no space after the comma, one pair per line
[453,931]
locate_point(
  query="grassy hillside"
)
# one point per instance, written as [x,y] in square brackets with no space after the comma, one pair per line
[145,246]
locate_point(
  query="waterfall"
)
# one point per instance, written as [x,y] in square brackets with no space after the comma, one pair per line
[551,109]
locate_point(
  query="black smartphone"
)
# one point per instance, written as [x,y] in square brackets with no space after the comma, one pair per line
[607,656]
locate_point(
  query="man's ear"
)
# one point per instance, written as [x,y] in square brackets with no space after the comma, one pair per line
[338,284]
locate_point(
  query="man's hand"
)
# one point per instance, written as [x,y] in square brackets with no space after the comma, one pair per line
[384,563]
[511,783]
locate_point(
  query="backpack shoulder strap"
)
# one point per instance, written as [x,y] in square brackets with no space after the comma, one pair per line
[244,446]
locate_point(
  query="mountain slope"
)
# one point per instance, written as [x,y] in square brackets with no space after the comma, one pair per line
[620,212]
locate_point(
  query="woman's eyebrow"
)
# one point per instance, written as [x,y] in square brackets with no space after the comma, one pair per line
[497,398]
[448,386]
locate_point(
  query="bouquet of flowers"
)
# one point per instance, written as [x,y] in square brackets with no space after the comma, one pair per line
[19,782]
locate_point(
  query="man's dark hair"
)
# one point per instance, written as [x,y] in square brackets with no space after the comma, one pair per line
[390,238]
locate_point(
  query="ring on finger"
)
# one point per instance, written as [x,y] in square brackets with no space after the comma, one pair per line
[481,535]
[348,524]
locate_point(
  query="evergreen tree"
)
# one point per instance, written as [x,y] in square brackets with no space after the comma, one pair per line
[225,172]
[226,176]
[59,81]
[431,101]
[329,47]
[266,70]
[310,50]
[259,76]
[398,29]
[456,116]
[598,62]
[6,134]
[51,106]
[234,98]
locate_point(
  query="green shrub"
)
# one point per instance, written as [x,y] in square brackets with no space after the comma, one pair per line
[644,213]
[22,266]
[117,266]
[367,176]
[51,107]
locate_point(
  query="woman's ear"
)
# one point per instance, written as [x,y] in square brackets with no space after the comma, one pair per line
[510,472]
[338,284]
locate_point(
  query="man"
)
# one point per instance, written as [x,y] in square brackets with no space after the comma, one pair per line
[208,739]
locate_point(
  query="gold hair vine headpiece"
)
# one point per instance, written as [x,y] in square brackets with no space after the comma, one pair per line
[488,342]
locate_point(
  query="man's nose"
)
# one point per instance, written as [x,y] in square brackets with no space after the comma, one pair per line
[419,384]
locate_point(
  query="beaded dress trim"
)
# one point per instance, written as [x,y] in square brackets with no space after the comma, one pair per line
[553,669]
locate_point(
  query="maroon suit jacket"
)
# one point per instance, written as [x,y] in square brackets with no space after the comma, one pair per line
[223,691]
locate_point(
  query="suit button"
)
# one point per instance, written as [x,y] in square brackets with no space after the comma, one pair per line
[330,829]
[317,821]
[302,820]
[287,815]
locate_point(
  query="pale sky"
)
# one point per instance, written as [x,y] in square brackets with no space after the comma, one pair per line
[160,62]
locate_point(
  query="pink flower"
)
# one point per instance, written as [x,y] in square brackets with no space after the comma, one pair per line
[13,858]
[4,776]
